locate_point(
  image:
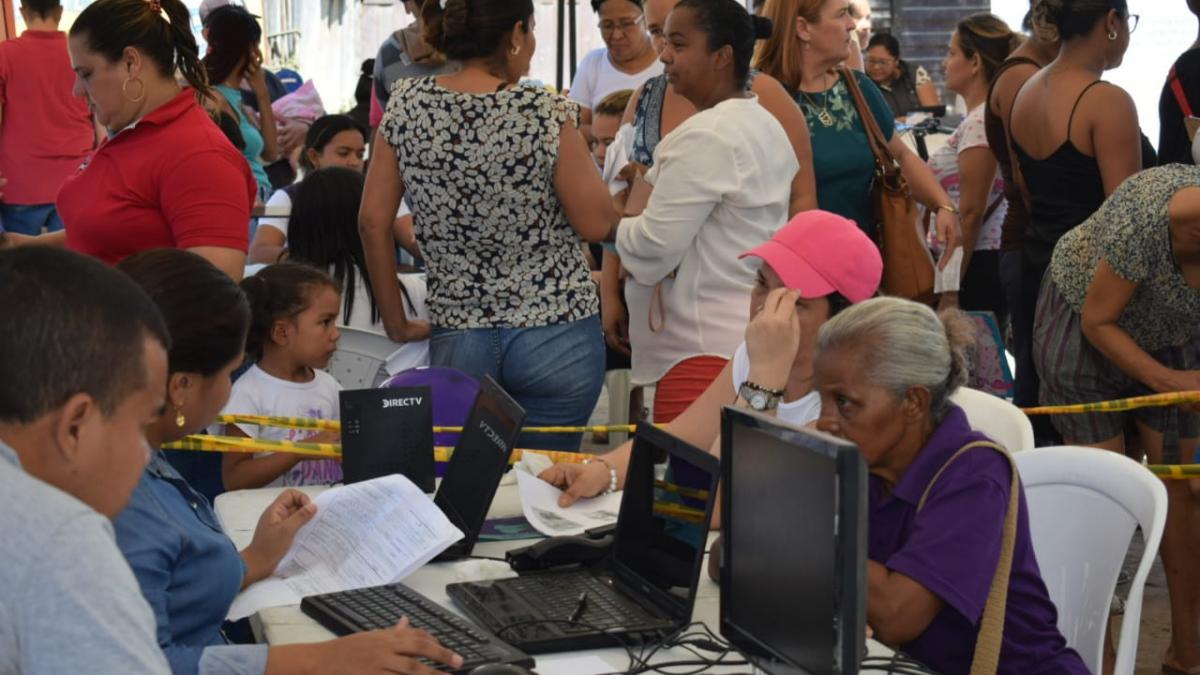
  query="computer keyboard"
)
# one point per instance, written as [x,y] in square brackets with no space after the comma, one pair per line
[381,607]
[558,596]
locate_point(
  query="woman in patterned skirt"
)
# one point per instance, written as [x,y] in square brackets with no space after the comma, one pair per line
[1118,316]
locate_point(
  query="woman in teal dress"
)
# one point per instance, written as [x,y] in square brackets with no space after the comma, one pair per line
[805,60]
[233,37]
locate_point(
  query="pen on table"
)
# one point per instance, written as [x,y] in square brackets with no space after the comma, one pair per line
[579,607]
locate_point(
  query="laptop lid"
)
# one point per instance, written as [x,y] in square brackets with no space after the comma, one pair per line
[479,461]
[662,529]
[794,526]
[387,431]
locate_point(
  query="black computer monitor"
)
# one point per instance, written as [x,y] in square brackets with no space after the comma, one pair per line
[665,514]
[479,461]
[794,526]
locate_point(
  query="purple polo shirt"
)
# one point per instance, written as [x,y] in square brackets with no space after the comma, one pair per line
[952,548]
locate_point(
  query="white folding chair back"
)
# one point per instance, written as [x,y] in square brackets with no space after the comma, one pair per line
[1002,421]
[619,384]
[1084,504]
[360,358]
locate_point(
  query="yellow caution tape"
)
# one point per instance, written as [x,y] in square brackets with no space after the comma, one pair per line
[334,425]
[206,443]
[1119,405]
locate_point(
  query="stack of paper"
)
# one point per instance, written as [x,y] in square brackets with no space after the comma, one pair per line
[365,534]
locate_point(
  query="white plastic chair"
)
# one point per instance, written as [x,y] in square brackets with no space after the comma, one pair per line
[360,358]
[1002,421]
[1084,504]
[618,383]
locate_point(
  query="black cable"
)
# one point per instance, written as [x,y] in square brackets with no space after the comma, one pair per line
[693,637]
[896,663]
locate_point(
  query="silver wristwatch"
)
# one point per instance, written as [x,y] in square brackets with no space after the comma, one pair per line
[760,398]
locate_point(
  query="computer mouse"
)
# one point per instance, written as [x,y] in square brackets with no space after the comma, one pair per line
[501,669]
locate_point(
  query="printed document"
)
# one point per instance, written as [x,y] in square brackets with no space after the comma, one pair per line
[539,502]
[366,534]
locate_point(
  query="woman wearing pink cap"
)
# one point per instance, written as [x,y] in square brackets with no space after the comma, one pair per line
[814,267]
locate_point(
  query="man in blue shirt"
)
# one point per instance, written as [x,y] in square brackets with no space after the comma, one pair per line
[83,353]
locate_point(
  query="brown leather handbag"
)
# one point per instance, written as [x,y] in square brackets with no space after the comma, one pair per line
[907,263]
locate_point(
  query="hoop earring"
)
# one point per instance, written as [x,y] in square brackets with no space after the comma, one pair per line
[1112,35]
[515,50]
[125,90]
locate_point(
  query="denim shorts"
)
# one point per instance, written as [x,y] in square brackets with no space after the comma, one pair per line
[554,372]
[29,218]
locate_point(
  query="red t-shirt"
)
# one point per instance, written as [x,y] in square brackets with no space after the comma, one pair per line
[47,131]
[172,180]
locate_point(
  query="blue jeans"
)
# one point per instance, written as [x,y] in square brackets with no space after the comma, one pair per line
[29,218]
[554,372]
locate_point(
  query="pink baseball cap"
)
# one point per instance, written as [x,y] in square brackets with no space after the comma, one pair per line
[819,252]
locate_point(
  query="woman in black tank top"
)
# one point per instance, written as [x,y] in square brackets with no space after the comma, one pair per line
[1024,62]
[1069,157]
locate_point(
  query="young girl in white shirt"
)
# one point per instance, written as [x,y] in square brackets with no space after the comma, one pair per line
[293,333]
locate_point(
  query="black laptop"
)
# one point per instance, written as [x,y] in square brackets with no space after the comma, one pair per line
[644,591]
[793,589]
[479,461]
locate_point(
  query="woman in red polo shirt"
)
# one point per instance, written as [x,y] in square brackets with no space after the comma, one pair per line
[166,177]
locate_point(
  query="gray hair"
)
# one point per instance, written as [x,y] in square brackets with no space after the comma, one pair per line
[905,344]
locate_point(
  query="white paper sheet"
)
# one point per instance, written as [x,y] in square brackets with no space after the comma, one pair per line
[573,664]
[947,280]
[365,534]
[616,157]
[539,502]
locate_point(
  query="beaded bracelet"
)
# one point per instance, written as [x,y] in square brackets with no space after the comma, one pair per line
[612,473]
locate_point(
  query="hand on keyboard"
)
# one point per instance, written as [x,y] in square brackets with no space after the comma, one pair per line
[401,649]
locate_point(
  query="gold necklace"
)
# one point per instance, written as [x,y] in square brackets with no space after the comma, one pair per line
[823,115]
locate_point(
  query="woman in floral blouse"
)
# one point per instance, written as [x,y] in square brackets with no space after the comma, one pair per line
[503,191]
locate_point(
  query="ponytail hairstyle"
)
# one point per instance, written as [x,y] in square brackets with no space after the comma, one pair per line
[726,22]
[904,344]
[322,131]
[206,313]
[472,29]
[323,231]
[160,30]
[232,32]
[1065,20]
[988,36]
[782,54]
[42,8]
[279,292]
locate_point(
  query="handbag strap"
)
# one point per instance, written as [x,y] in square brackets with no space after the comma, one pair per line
[991,627]
[656,300]
[884,161]
[1180,96]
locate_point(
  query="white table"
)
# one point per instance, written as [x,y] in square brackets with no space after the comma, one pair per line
[239,511]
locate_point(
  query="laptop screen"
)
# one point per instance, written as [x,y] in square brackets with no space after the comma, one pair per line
[793,515]
[665,514]
[479,461]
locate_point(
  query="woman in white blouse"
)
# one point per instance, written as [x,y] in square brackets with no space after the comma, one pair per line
[721,185]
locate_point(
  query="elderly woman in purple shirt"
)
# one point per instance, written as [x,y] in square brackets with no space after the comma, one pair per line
[885,370]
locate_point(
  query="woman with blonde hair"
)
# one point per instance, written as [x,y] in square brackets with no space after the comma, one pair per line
[813,39]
